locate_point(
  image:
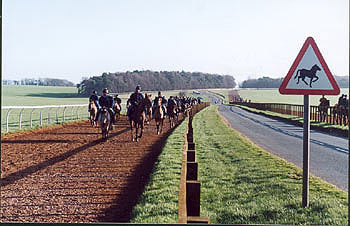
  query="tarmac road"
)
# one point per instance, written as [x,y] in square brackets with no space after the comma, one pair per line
[328,153]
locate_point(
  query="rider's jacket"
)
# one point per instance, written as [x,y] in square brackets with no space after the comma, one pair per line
[164,101]
[172,102]
[135,98]
[106,101]
[93,98]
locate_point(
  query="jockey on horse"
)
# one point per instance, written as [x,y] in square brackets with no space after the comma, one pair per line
[107,102]
[164,102]
[94,98]
[134,100]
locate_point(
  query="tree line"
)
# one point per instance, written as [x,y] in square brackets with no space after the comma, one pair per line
[39,82]
[154,80]
[267,82]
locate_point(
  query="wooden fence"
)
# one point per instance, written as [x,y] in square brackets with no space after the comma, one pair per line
[189,194]
[333,115]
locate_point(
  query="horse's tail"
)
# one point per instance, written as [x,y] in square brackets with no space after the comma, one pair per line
[296,75]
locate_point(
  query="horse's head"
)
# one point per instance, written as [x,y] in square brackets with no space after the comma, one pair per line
[148,100]
[315,68]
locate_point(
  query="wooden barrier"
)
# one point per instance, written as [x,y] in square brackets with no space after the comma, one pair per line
[189,194]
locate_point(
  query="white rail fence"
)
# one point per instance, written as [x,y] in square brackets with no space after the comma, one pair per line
[75,111]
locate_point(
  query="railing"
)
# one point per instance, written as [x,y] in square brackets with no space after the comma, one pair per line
[189,194]
[332,115]
[75,114]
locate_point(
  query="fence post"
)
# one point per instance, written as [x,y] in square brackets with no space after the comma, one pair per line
[64,109]
[48,116]
[7,120]
[41,117]
[20,118]
[31,118]
[78,112]
[57,114]
[72,113]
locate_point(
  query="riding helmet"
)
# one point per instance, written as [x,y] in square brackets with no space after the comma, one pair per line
[138,87]
[105,90]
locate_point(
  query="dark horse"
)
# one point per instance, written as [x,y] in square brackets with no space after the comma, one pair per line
[308,73]
[138,117]
[172,114]
[104,119]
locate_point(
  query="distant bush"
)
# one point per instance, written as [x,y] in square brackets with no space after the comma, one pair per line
[154,80]
[264,82]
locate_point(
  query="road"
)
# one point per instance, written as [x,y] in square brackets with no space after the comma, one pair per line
[328,153]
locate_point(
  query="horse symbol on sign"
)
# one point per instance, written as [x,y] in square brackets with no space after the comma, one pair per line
[308,73]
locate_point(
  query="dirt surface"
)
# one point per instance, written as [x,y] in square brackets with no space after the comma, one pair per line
[68,174]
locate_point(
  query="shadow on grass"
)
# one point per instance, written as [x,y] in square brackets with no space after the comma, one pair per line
[54,95]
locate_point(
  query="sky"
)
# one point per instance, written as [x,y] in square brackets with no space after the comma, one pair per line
[71,39]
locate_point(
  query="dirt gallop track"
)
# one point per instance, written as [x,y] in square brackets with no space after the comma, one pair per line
[68,174]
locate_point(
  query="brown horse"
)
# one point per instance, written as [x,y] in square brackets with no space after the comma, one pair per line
[137,118]
[340,113]
[172,114]
[159,116]
[323,109]
[93,113]
[149,115]
[104,119]
[117,110]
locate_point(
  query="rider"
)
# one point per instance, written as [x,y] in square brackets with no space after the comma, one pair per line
[94,98]
[323,100]
[107,102]
[164,101]
[134,100]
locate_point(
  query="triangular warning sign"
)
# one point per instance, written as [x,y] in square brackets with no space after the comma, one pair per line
[309,74]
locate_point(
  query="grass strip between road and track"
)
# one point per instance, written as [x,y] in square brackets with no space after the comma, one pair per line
[159,201]
[244,184]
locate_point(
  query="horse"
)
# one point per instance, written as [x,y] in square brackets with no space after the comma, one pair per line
[159,116]
[149,115]
[104,119]
[323,109]
[340,114]
[138,116]
[308,73]
[117,110]
[93,113]
[172,114]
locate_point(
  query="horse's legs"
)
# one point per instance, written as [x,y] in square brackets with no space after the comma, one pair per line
[304,80]
[141,128]
[131,131]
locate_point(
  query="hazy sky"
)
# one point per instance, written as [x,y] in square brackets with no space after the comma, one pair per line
[72,39]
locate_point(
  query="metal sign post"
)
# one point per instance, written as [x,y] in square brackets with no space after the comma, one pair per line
[306,151]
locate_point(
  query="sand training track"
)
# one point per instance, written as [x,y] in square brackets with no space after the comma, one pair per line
[67,174]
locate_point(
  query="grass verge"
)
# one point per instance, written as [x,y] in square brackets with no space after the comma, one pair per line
[243,184]
[159,201]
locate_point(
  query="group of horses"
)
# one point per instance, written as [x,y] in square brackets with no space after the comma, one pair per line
[143,113]
[340,112]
